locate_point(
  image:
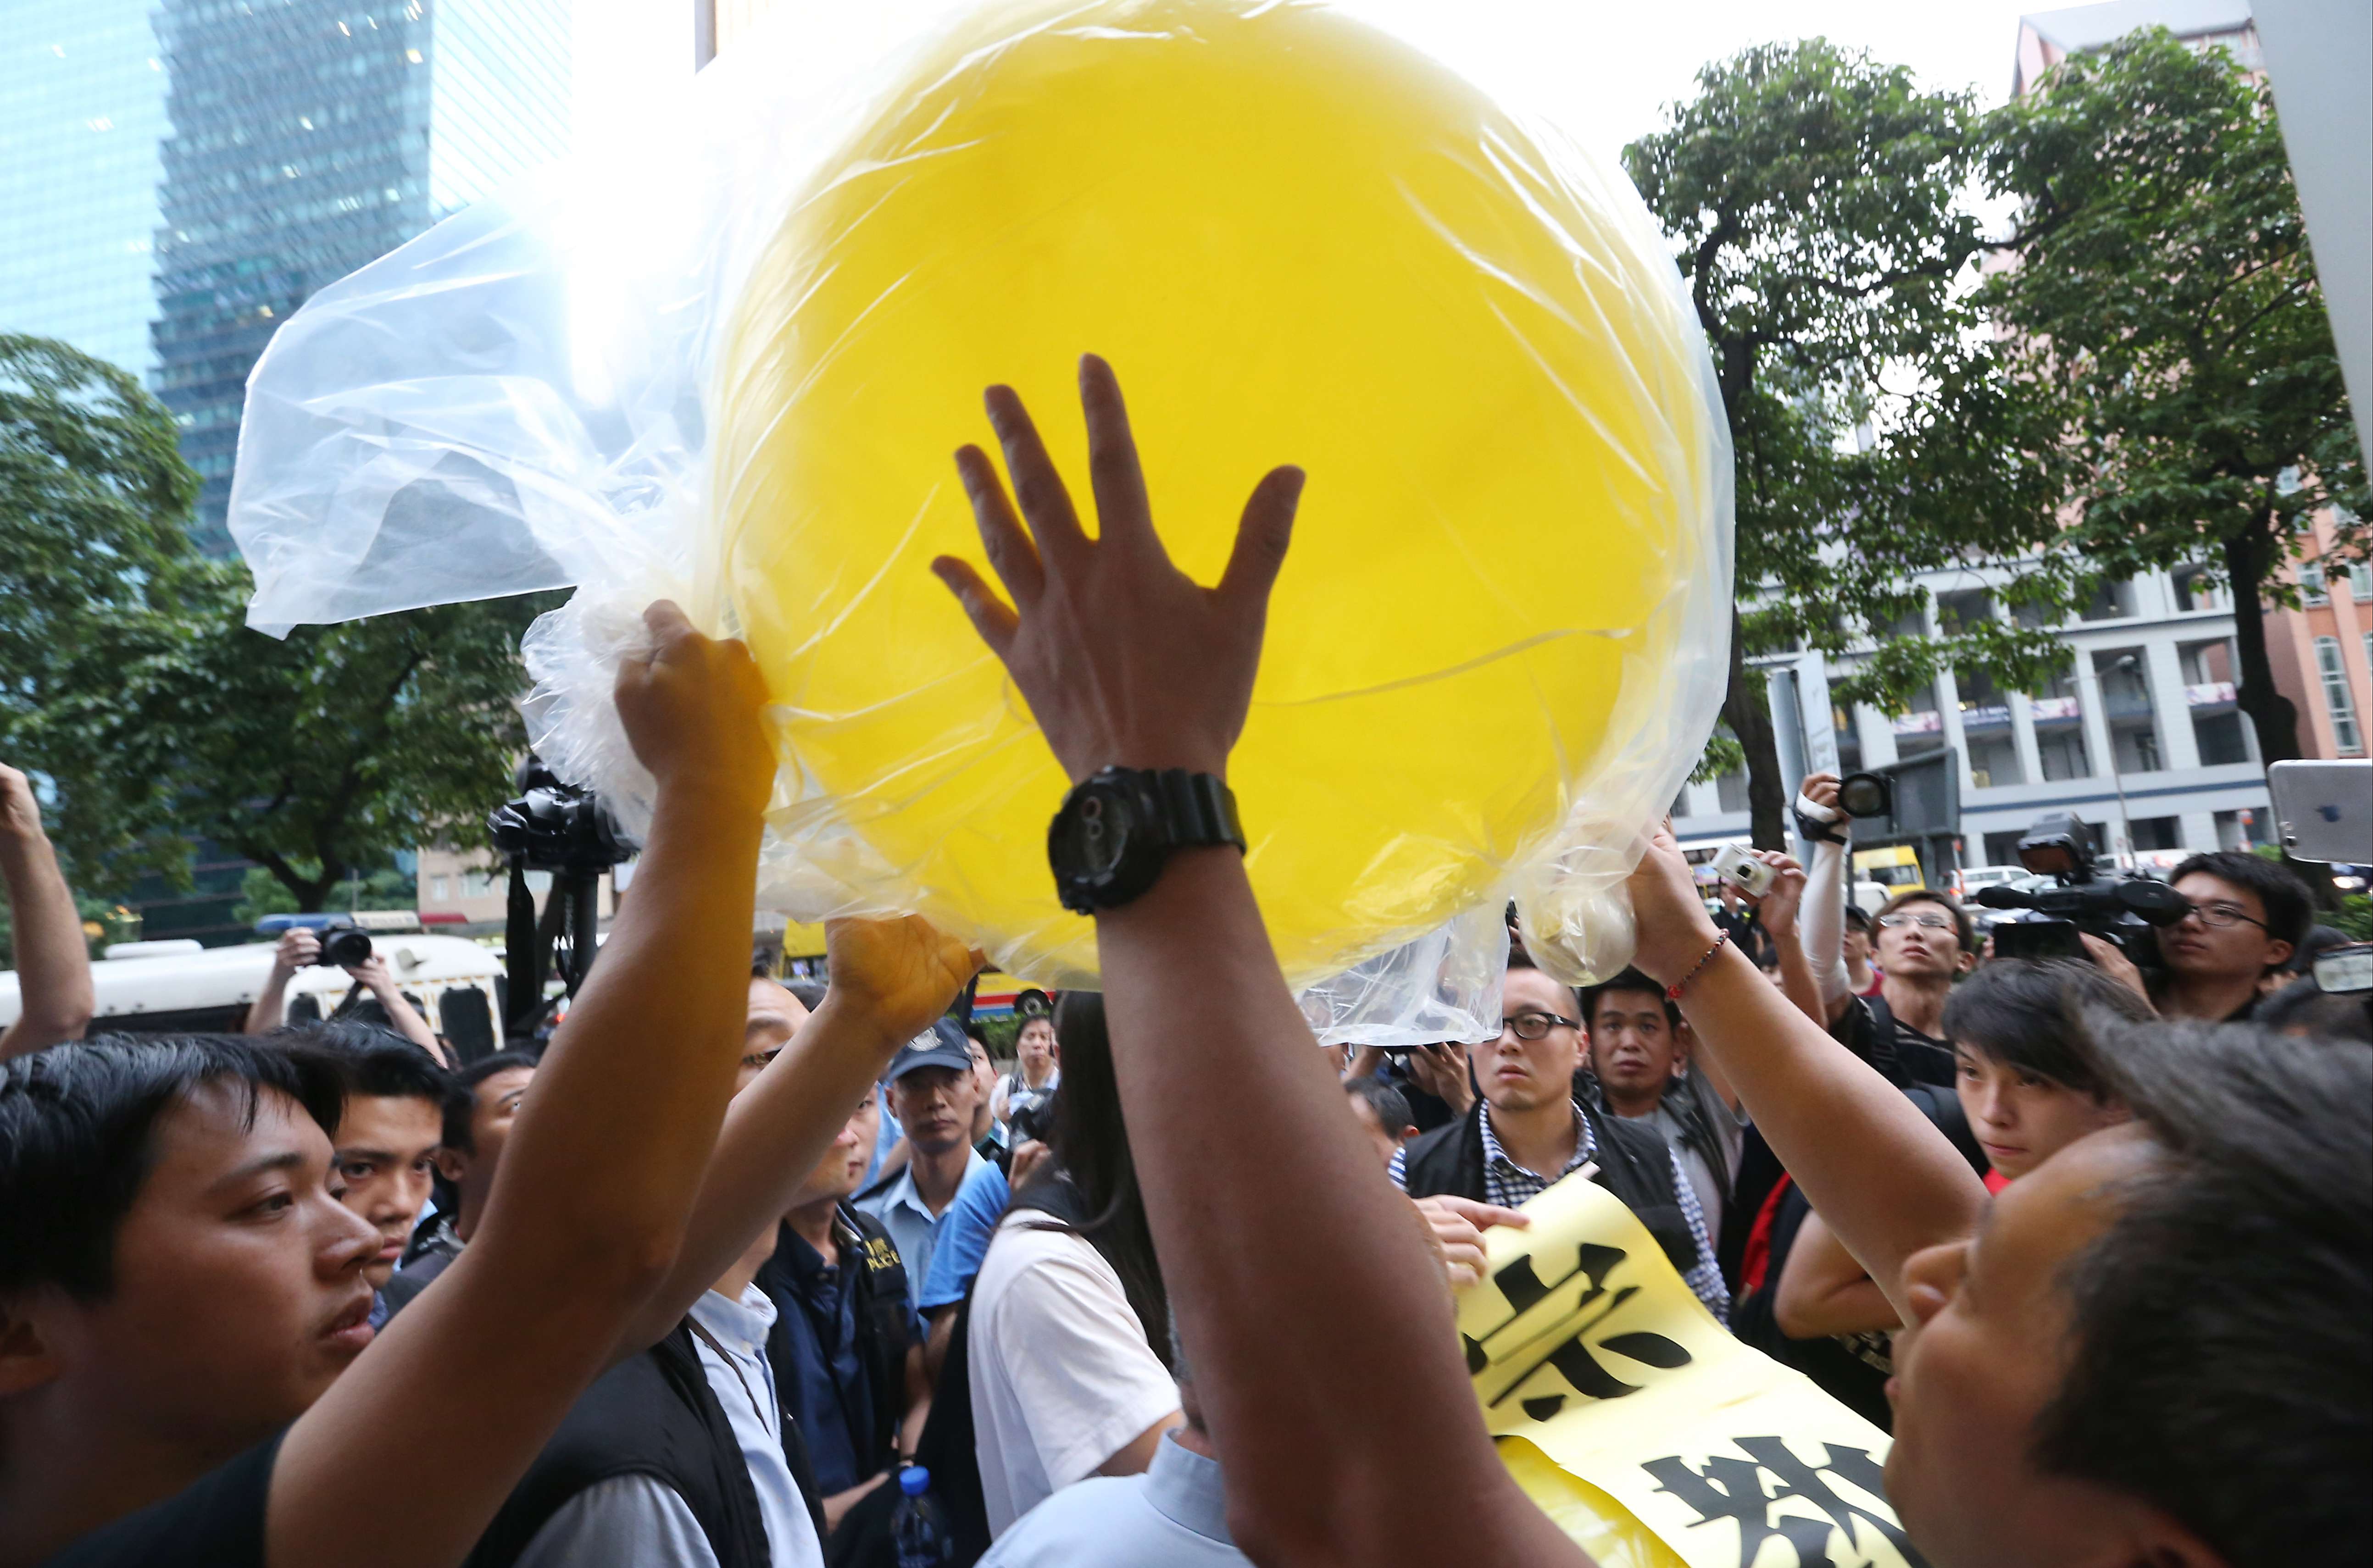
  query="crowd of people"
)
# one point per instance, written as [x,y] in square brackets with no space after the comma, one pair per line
[726,1272]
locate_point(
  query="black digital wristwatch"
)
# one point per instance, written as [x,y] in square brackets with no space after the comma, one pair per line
[1116,828]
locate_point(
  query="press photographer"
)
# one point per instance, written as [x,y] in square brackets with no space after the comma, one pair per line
[347,948]
[2198,946]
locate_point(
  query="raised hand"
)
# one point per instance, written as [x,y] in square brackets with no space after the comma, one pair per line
[1674,930]
[901,973]
[1776,910]
[691,713]
[297,948]
[1123,659]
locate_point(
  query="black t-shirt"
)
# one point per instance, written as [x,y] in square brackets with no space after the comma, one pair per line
[1901,1054]
[216,1522]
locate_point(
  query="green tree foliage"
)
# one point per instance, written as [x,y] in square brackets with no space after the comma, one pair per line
[262,893]
[1816,202]
[135,689]
[2171,330]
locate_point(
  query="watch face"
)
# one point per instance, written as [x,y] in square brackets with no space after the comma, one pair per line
[1092,836]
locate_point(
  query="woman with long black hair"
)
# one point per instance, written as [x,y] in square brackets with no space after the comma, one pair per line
[1070,1321]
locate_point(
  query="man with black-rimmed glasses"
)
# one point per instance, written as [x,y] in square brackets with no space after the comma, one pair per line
[1528,1130]
[2248,914]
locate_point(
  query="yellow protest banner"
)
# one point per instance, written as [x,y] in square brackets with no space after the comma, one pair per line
[1639,1423]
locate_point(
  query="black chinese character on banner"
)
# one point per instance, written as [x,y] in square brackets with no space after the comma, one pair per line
[1572,1358]
[1735,1489]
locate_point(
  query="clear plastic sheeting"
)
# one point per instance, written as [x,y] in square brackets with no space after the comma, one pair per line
[726,359]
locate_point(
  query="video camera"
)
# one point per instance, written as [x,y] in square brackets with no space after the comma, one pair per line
[2124,910]
[556,828]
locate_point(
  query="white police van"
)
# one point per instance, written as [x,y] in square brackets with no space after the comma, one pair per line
[180,986]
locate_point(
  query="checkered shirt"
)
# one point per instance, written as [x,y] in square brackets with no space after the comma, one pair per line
[1510,1186]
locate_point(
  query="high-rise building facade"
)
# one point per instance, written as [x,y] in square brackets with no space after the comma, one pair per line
[310,137]
[82,108]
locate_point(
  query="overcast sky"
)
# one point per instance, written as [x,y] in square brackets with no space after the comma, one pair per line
[1609,69]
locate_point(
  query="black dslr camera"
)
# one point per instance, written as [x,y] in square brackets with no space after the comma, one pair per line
[2126,911]
[343,946]
[555,828]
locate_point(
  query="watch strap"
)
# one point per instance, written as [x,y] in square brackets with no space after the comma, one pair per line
[1197,809]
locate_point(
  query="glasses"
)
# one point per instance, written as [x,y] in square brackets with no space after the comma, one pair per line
[2224,917]
[1924,922]
[1534,1025]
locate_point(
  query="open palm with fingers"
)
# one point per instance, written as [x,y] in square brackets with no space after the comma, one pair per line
[1123,659]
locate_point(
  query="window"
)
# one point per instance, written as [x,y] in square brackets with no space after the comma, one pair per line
[2195,589]
[2110,601]
[2311,589]
[2360,580]
[2346,739]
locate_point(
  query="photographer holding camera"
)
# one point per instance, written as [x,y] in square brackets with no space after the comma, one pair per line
[1924,942]
[301,949]
[2248,915]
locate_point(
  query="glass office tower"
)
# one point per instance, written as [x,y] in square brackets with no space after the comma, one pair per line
[310,137]
[82,108]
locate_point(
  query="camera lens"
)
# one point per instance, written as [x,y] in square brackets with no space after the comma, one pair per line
[1864,795]
[345,948]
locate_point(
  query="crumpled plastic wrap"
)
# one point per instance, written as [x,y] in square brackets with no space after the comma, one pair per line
[724,355]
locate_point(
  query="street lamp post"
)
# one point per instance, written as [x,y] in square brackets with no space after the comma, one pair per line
[2127,665]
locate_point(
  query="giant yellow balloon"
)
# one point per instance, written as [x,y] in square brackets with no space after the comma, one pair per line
[1297,240]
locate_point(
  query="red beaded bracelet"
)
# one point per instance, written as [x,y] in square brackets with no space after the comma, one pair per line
[1673,992]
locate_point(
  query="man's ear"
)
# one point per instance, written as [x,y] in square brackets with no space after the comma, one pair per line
[2278,953]
[452,1163]
[27,1360]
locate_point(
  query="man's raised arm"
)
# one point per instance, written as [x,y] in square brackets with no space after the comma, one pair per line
[1237,1124]
[1878,1172]
[888,979]
[589,1209]
[54,999]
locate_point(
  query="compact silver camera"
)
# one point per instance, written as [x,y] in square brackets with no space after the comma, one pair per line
[1736,865]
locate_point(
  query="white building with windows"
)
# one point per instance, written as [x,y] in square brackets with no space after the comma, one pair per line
[2139,737]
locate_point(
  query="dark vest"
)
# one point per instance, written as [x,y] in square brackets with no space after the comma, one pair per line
[1634,1163]
[651,1414]
[884,1316]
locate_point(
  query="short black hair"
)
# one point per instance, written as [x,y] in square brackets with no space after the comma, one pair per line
[1629,980]
[462,1103]
[2289,906]
[1391,1107]
[2030,1013]
[1962,926]
[380,1062]
[76,1122]
[2218,1366]
[2303,1008]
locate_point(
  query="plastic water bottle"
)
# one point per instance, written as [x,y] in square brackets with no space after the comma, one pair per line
[919,1528]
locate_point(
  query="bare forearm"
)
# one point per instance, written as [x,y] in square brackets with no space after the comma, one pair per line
[1228,1108]
[411,1024]
[1892,1187]
[645,1061]
[271,1004]
[1824,1291]
[54,996]
[775,1132]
